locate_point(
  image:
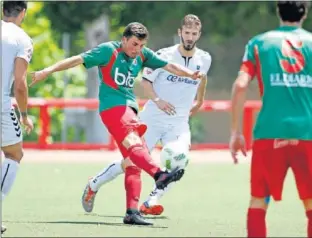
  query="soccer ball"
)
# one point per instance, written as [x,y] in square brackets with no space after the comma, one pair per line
[174,155]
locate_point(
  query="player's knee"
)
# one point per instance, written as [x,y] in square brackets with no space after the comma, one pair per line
[126,163]
[132,139]
[260,203]
[14,155]
[307,203]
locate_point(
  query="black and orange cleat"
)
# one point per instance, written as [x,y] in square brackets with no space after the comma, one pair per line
[163,178]
[155,210]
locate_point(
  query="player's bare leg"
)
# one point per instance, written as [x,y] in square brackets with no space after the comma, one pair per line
[307,203]
[256,223]
[13,155]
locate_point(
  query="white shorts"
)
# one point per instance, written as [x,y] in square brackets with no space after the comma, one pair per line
[165,132]
[10,128]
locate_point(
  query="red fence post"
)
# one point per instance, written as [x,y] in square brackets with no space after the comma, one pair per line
[45,126]
[248,126]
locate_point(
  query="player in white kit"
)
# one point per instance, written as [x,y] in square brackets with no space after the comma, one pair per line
[17,51]
[167,112]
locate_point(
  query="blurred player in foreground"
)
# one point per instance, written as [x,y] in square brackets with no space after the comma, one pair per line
[282,61]
[119,63]
[167,112]
[17,51]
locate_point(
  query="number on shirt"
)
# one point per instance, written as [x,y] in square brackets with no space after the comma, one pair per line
[295,61]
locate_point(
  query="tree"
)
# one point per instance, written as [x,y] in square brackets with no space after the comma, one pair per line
[46,52]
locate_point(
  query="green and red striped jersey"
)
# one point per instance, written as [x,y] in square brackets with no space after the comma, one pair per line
[281,60]
[117,72]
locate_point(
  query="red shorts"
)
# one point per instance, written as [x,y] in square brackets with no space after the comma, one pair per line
[120,121]
[270,162]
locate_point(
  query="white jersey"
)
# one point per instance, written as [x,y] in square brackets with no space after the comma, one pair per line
[178,91]
[15,44]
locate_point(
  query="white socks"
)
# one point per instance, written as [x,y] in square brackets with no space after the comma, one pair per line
[9,170]
[156,194]
[107,174]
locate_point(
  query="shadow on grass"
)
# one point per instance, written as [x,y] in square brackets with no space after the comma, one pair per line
[121,217]
[85,223]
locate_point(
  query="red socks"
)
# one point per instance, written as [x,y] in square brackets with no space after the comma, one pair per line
[133,187]
[256,226]
[309,216]
[140,156]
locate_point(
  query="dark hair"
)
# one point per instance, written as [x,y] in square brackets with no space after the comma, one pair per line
[292,11]
[190,20]
[136,29]
[13,8]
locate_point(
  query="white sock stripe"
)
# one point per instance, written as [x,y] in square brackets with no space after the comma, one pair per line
[5,175]
[105,171]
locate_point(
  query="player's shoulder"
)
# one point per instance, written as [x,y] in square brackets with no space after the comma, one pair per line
[167,50]
[203,55]
[17,32]
[110,45]
[258,38]
[305,35]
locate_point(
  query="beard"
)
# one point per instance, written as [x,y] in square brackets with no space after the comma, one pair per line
[186,46]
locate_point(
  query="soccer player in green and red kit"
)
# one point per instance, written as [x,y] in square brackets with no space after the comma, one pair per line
[119,63]
[282,61]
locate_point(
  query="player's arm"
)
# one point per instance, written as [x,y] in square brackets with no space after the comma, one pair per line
[20,89]
[154,61]
[201,92]
[148,78]
[97,56]
[20,85]
[240,86]
[239,90]
[180,70]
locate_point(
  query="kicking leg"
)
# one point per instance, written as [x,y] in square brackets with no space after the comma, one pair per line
[181,136]
[140,156]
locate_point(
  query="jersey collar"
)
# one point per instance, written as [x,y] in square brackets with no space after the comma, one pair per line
[288,28]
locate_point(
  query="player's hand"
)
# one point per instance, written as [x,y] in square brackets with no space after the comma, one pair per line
[195,109]
[166,107]
[237,143]
[38,76]
[197,75]
[28,124]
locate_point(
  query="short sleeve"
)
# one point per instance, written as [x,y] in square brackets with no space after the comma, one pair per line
[152,60]
[150,74]
[207,62]
[249,62]
[100,55]
[25,49]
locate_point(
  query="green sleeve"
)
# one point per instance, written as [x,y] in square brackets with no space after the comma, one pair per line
[100,55]
[249,54]
[152,60]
